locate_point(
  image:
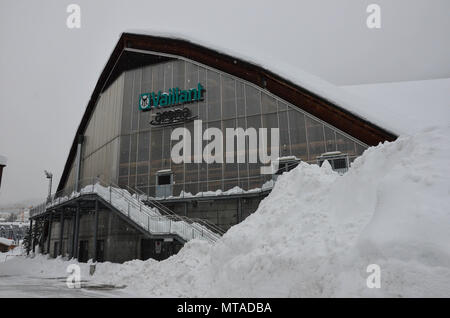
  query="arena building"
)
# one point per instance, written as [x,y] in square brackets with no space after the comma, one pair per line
[122,196]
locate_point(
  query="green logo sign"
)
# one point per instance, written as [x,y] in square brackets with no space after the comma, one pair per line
[174,97]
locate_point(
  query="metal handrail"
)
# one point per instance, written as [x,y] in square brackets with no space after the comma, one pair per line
[148,218]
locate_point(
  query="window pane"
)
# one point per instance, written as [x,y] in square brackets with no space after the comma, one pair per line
[168,83]
[285,145]
[214,169]
[268,103]
[213,96]
[253,168]
[253,101]
[166,147]
[230,171]
[240,99]
[330,139]
[144,145]
[315,138]
[127,101]
[134,99]
[191,82]
[178,74]
[228,97]
[158,77]
[202,111]
[298,134]
[243,167]
[345,144]
[155,154]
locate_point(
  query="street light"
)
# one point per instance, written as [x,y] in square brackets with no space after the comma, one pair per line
[49,176]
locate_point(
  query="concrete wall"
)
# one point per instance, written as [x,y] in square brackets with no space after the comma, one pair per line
[122,242]
[222,212]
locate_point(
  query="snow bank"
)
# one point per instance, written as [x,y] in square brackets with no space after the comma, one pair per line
[317,232]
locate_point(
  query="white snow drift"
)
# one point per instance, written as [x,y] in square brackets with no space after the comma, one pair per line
[316,233]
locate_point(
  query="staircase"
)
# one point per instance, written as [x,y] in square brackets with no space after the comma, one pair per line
[163,210]
[155,218]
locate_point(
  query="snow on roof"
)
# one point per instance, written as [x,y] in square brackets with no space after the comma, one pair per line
[3,160]
[164,171]
[285,158]
[412,105]
[368,109]
[6,241]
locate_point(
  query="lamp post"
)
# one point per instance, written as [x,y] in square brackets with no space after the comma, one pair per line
[49,176]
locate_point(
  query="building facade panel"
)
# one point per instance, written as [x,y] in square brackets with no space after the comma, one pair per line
[228,103]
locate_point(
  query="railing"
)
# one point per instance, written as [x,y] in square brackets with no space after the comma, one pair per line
[148,218]
[168,212]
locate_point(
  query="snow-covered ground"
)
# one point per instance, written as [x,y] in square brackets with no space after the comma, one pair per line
[314,235]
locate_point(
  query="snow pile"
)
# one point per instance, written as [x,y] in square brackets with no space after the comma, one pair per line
[317,232]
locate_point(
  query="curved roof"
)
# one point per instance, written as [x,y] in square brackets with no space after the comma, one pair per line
[311,94]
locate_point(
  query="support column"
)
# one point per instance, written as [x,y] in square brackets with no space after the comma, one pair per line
[72,246]
[61,231]
[95,230]
[77,230]
[34,241]
[31,237]
[80,139]
[49,232]
[239,214]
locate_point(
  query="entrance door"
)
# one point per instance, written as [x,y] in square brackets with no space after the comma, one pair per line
[146,249]
[55,249]
[156,249]
[83,251]
[100,251]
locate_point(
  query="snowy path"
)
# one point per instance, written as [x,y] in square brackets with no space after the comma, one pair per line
[37,287]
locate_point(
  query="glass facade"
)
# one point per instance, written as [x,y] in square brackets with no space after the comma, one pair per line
[228,103]
[100,149]
[122,147]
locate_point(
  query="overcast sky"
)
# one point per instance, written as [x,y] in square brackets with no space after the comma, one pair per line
[47,71]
